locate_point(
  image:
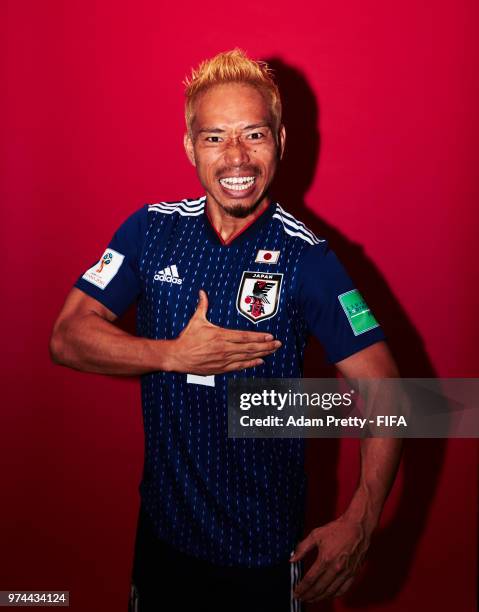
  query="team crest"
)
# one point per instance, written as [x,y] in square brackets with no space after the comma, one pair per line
[258,295]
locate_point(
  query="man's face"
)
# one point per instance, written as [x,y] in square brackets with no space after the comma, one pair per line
[233,146]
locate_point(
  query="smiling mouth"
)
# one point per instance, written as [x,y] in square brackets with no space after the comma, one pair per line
[238,183]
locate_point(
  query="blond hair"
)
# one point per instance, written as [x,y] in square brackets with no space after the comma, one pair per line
[232,67]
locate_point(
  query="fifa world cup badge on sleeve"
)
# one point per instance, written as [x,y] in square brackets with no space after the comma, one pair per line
[359,315]
[258,295]
[105,270]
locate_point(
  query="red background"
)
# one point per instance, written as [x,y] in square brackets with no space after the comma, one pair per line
[381,105]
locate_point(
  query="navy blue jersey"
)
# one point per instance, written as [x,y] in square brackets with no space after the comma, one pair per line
[229,501]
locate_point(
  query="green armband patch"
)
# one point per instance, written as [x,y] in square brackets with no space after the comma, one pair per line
[359,316]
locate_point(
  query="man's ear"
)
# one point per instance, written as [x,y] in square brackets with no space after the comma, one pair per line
[282,140]
[190,152]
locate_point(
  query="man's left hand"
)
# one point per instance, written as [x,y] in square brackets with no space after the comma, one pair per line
[341,547]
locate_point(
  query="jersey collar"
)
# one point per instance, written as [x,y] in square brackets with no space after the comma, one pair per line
[248,231]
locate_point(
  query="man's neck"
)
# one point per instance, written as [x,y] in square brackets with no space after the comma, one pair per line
[228,226]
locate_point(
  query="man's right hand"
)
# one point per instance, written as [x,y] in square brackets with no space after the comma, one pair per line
[85,338]
[204,348]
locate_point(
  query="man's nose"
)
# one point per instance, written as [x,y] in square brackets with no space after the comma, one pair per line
[236,153]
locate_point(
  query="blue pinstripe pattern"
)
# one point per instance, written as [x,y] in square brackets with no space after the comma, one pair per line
[230,501]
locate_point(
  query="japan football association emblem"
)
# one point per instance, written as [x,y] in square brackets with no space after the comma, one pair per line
[258,295]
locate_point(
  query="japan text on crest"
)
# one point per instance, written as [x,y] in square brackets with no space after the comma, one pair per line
[258,295]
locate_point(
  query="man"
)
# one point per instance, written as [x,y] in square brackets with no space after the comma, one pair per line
[228,285]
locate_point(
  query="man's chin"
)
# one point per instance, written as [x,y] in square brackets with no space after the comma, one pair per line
[240,210]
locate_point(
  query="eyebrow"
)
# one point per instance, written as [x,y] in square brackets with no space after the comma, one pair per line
[216,130]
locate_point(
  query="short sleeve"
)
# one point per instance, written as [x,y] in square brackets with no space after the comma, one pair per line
[333,309]
[114,279]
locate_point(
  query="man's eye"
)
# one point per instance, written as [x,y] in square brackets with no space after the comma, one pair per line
[213,139]
[255,136]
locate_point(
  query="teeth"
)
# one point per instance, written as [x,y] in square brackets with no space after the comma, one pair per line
[238,183]
[239,187]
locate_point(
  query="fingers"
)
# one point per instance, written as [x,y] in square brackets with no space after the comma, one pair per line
[213,349]
[242,365]
[302,548]
[252,351]
[202,307]
[337,587]
[236,335]
[232,335]
[306,586]
[322,583]
[233,362]
[346,586]
[242,358]
[270,347]
[242,361]
[324,580]
[249,349]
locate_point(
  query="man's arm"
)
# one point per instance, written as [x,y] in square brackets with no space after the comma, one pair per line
[379,456]
[85,338]
[343,543]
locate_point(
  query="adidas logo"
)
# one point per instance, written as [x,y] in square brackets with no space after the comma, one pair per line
[169,275]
